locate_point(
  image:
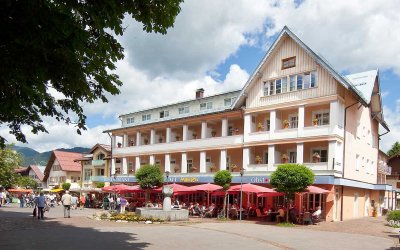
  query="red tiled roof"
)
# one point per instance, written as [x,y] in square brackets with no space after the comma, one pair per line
[37,171]
[67,160]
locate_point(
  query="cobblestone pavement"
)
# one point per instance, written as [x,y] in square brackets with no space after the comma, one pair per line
[18,230]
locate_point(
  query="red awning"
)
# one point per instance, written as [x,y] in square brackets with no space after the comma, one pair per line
[178,189]
[316,190]
[251,188]
[122,189]
[206,187]
[19,190]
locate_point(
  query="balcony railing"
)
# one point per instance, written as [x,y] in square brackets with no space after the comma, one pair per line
[264,167]
[97,163]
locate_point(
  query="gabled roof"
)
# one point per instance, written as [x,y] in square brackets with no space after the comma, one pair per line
[321,61]
[66,161]
[364,82]
[38,170]
[105,147]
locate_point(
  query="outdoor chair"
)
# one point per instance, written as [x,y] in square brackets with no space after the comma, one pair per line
[307,218]
[316,219]
[234,213]
[259,214]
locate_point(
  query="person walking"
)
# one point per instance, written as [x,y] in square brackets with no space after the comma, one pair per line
[66,200]
[21,200]
[74,201]
[124,202]
[82,202]
[41,204]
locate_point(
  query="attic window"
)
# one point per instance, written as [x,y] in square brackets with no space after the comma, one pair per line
[289,62]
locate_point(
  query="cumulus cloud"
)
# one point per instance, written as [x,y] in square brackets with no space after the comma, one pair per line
[393,120]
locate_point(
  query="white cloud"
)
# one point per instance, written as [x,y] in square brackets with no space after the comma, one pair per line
[393,120]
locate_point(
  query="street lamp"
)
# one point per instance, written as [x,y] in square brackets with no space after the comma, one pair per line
[167,175]
[241,192]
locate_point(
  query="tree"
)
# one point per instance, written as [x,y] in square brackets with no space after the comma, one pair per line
[26,182]
[291,179]
[395,150]
[100,184]
[66,185]
[223,178]
[149,177]
[69,47]
[9,161]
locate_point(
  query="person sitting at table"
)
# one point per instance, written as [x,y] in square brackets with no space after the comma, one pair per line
[316,216]
[197,210]
[210,211]
[293,214]
[281,215]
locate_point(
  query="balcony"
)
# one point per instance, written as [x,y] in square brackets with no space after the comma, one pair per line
[98,163]
[320,166]
[207,143]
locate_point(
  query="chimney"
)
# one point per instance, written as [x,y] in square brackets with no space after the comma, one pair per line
[199,93]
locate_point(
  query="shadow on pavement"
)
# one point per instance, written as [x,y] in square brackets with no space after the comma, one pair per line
[21,231]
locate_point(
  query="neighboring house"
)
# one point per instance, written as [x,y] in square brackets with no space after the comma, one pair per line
[295,108]
[36,172]
[394,177]
[62,168]
[95,165]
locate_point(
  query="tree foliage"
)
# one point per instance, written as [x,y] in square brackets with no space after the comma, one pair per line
[100,184]
[66,185]
[223,178]
[69,47]
[395,150]
[149,176]
[291,178]
[26,182]
[9,161]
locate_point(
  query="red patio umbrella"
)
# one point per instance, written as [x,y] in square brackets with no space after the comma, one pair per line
[178,189]
[208,188]
[19,190]
[316,190]
[251,188]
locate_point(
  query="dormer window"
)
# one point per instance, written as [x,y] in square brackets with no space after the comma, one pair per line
[183,110]
[130,120]
[164,113]
[205,105]
[146,117]
[289,62]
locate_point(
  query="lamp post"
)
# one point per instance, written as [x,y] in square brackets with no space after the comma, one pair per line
[241,192]
[167,175]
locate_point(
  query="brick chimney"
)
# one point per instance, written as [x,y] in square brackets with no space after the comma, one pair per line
[199,93]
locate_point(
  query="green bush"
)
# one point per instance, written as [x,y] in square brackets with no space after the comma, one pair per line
[393,215]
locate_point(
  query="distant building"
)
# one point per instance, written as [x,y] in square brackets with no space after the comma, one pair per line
[62,168]
[36,172]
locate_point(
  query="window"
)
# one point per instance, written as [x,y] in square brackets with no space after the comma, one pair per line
[358,162]
[146,117]
[306,80]
[299,82]
[323,153]
[62,179]
[130,120]
[293,121]
[367,166]
[292,84]
[189,165]
[289,62]
[229,101]
[284,85]
[183,110]
[267,124]
[100,156]
[292,157]
[265,158]
[278,85]
[164,113]
[313,80]
[322,117]
[100,172]
[230,130]
[204,106]
[271,88]
[88,174]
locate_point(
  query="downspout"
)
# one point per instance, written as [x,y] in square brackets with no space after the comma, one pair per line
[344,154]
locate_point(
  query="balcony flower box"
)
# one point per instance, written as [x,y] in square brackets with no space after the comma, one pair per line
[284,158]
[316,157]
[285,124]
[213,133]
[233,167]
[194,135]
[258,159]
[176,169]
[260,127]
[315,122]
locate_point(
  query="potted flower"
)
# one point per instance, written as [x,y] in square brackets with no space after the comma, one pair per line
[315,121]
[176,169]
[146,141]
[194,134]
[233,167]
[285,124]
[177,138]
[212,167]
[258,159]
[316,157]
[213,133]
[260,127]
[285,158]
[160,139]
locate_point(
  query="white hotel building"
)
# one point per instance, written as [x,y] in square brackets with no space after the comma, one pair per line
[294,108]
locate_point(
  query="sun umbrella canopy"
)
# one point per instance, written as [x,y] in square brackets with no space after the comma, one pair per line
[121,189]
[19,190]
[206,187]
[251,188]
[56,190]
[178,189]
[316,190]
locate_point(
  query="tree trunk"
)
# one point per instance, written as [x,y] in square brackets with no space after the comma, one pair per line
[147,196]
[224,208]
